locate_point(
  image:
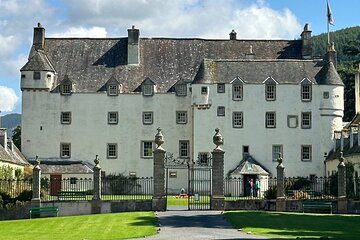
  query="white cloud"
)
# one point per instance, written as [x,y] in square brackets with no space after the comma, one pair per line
[12,65]
[95,32]
[8,45]
[8,99]
[192,18]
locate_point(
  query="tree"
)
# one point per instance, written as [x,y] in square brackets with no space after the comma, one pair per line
[16,137]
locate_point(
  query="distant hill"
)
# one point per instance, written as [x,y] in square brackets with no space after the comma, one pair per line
[341,38]
[10,121]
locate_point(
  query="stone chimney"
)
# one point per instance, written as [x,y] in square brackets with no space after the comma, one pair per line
[232,35]
[39,37]
[306,46]
[133,45]
[357,90]
[331,55]
[3,138]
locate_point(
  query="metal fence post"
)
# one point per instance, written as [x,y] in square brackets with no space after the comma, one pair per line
[36,184]
[342,200]
[280,185]
[217,197]
[159,198]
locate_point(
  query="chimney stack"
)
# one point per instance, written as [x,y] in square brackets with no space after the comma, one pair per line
[232,35]
[306,50]
[39,37]
[3,138]
[133,45]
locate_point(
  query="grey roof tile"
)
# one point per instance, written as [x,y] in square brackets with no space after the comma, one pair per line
[328,75]
[38,62]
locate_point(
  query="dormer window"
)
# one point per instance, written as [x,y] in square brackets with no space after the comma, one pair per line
[306,90]
[66,89]
[181,90]
[37,75]
[113,90]
[148,90]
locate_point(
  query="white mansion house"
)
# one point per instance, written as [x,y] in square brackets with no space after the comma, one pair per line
[107,96]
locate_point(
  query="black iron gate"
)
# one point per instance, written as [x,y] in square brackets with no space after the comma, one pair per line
[188,184]
[200,185]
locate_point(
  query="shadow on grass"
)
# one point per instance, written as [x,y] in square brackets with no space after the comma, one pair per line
[145,221]
[296,225]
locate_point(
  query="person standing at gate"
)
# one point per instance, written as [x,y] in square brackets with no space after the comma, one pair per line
[257,188]
[251,187]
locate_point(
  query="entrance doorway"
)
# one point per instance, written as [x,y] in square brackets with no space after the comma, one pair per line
[55,184]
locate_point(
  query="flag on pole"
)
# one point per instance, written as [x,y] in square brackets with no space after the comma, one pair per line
[329,15]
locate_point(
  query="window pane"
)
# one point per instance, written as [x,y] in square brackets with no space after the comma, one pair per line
[184,148]
[112,117]
[221,88]
[204,158]
[181,90]
[113,90]
[66,89]
[270,120]
[147,149]
[306,120]
[66,117]
[306,153]
[181,117]
[65,150]
[276,151]
[112,150]
[221,111]
[306,92]
[237,119]
[148,89]
[237,92]
[147,117]
[270,92]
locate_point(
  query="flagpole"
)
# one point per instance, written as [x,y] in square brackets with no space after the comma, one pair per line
[327,21]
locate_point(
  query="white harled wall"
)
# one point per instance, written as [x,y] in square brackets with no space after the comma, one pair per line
[89,131]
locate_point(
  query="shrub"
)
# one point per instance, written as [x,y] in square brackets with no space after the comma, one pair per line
[271,193]
[24,196]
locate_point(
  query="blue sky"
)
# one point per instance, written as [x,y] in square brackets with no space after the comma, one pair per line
[251,19]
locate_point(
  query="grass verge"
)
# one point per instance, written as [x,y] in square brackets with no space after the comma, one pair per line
[85,227]
[293,225]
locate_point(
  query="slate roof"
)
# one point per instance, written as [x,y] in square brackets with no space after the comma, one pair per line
[51,166]
[249,166]
[38,61]
[13,156]
[328,75]
[282,71]
[90,63]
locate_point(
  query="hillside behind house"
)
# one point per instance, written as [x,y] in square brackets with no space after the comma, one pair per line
[10,121]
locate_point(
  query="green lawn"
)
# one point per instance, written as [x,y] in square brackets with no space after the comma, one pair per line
[292,225]
[89,227]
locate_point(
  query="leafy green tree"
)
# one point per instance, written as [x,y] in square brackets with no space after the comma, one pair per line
[16,137]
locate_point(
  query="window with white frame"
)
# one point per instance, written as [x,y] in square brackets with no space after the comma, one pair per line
[65,150]
[148,89]
[221,111]
[113,118]
[66,89]
[306,92]
[276,151]
[204,158]
[270,120]
[184,149]
[204,90]
[65,118]
[221,87]
[181,117]
[270,92]
[181,90]
[237,92]
[146,149]
[111,150]
[113,90]
[237,119]
[306,120]
[306,153]
[147,118]
[37,75]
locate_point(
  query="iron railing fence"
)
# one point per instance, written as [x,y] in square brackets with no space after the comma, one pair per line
[14,187]
[127,188]
[311,187]
[73,188]
[79,189]
[239,188]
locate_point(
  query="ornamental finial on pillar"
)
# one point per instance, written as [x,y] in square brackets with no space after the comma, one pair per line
[37,162]
[218,139]
[341,159]
[97,161]
[159,138]
[280,160]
